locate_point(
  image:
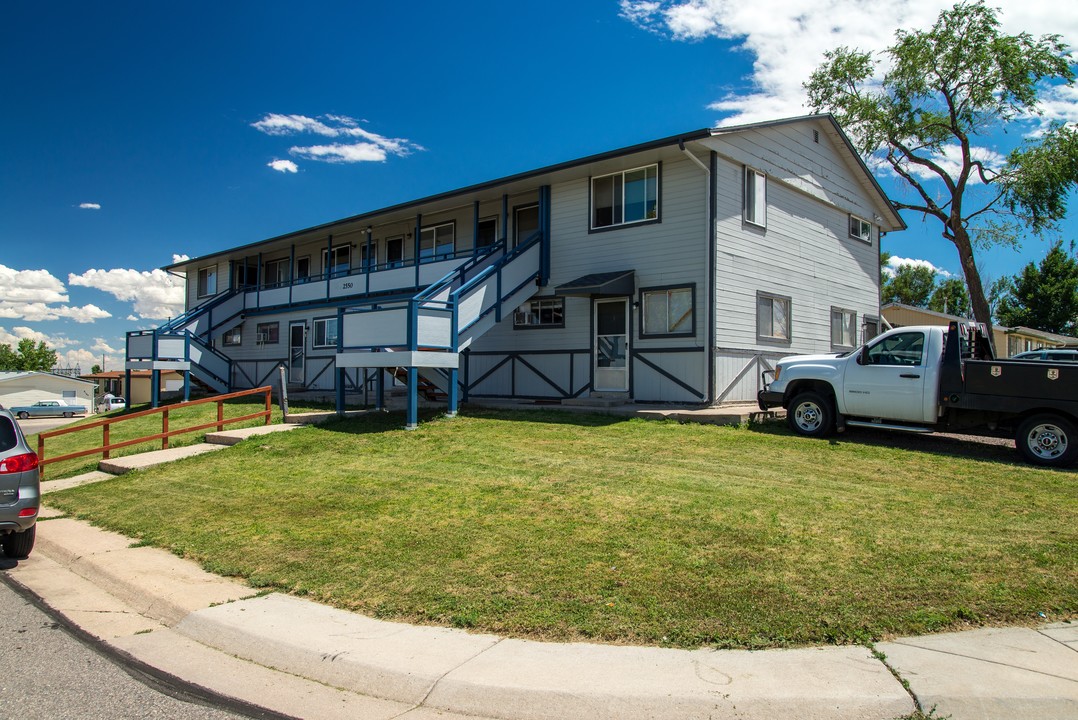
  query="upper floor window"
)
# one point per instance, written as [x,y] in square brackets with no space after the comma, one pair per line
[340,262]
[276,272]
[755,197]
[437,242]
[207,281]
[625,197]
[772,318]
[486,232]
[860,229]
[668,311]
[843,328]
[525,223]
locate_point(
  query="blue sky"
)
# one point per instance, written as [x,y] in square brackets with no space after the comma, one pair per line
[135,131]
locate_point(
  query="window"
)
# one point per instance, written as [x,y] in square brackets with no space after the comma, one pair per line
[860,229]
[668,311]
[276,272]
[870,328]
[303,269]
[207,281]
[341,261]
[233,336]
[486,232]
[395,251]
[899,349]
[843,328]
[525,223]
[541,313]
[437,243]
[268,333]
[755,197]
[244,275]
[368,257]
[325,332]
[772,318]
[626,197]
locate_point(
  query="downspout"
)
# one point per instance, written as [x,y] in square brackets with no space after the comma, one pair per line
[709,261]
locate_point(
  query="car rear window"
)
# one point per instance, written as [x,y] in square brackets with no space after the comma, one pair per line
[8,438]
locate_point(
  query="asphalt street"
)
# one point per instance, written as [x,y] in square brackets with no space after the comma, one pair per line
[47,674]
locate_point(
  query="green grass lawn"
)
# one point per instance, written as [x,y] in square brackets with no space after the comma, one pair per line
[568,527]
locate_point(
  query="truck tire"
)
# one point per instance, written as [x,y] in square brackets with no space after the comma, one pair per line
[1047,439]
[811,414]
[17,545]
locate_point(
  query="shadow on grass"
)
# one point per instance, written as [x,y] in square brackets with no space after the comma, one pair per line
[969,447]
[385,421]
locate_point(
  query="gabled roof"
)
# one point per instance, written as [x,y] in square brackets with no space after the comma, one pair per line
[8,376]
[678,140]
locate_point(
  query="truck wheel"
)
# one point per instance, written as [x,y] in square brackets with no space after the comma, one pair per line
[1049,440]
[24,416]
[17,545]
[810,414]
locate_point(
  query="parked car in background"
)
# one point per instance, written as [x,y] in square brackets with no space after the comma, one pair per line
[20,489]
[113,403]
[48,408]
[1048,354]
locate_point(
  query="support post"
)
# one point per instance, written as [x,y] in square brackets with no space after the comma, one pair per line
[413,399]
[380,389]
[155,388]
[284,392]
[187,385]
[127,385]
[453,372]
[340,391]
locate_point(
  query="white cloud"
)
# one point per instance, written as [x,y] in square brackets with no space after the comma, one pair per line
[179,258]
[896,262]
[21,332]
[133,318]
[36,295]
[371,148]
[283,166]
[90,206]
[787,40]
[336,153]
[951,162]
[155,294]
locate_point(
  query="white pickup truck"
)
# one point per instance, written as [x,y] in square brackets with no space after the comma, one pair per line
[925,379]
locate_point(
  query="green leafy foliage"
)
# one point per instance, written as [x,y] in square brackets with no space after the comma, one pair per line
[950,298]
[1044,296]
[947,89]
[910,285]
[27,357]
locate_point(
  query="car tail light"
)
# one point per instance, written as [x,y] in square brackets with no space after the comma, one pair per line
[28,512]
[18,463]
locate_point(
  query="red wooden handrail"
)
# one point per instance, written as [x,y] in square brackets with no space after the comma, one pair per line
[106,447]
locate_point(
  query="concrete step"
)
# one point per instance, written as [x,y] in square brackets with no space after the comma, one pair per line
[120,465]
[231,437]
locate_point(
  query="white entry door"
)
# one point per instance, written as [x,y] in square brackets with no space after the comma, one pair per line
[611,371]
[296,352]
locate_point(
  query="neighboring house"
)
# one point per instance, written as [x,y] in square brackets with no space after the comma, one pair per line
[27,388]
[115,382]
[671,271]
[1008,341]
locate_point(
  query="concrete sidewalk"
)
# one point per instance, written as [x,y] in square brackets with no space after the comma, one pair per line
[303,659]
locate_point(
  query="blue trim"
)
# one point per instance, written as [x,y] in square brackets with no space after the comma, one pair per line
[291,271]
[413,399]
[340,391]
[327,271]
[418,230]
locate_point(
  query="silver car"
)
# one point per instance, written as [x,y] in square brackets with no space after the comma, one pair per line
[20,489]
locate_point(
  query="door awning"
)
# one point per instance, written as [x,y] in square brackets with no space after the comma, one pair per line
[621,283]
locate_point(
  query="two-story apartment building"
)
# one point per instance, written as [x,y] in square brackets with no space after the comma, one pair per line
[671,271]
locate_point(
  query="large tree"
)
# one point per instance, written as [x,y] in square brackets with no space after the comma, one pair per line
[27,357]
[950,297]
[1044,296]
[909,285]
[945,92]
